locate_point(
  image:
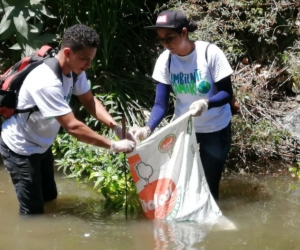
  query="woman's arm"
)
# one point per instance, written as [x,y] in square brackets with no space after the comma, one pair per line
[160,106]
[224,94]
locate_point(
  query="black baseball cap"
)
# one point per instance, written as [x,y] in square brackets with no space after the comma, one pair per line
[173,19]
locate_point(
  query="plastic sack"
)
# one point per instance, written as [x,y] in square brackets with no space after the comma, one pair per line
[169,176]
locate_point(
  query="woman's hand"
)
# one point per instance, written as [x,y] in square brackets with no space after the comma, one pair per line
[199,107]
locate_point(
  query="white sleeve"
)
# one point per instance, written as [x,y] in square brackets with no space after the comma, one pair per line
[218,63]
[81,85]
[161,69]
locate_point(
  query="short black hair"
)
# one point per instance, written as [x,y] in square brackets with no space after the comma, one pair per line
[80,36]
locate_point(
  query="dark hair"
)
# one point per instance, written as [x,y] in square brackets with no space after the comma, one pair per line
[80,36]
[191,27]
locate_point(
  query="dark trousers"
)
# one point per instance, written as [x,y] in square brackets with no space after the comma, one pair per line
[33,178]
[214,148]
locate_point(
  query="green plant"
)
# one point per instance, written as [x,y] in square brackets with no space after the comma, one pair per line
[295,170]
[255,143]
[125,56]
[22,25]
[257,30]
[115,183]
[107,171]
[128,97]
[291,58]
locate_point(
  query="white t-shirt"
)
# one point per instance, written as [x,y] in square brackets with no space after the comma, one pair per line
[26,136]
[191,80]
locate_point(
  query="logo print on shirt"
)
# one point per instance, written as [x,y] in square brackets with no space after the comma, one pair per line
[192,83]
[68,97]
[203,87]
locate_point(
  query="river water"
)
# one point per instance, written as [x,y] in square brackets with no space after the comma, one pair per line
[264,209]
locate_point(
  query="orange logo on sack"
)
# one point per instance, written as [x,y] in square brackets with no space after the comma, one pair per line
[159,198]
[167,144]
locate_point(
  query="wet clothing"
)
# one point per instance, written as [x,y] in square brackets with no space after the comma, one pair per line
[26,140]
[33,178]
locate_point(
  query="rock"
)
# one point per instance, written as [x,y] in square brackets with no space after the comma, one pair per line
[291,122]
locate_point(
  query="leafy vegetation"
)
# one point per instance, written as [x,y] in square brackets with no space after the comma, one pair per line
[109,172]
[22,26]
[260,38]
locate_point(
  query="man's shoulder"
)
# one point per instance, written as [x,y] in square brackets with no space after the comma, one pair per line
[42,69]
[42,73]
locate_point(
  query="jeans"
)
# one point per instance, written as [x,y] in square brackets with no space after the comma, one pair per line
[33,178]
[214,148]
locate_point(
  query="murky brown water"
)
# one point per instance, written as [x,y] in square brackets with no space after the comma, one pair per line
[265,210]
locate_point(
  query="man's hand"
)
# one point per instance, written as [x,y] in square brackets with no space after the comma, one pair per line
[125,146]
[128,135]
[198,107]
[141,134]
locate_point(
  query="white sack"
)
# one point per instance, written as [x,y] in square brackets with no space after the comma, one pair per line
[169,176]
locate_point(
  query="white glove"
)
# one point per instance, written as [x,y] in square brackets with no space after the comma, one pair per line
[198,107]
[128,135]
[141,134]
[125,146]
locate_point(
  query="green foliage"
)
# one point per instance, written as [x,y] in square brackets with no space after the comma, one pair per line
[291,58]
[261,39]
[255,143]
[296,170]
[124,59]
[107,171]
[262,31]
[128,98]
[257,30]
[22,25]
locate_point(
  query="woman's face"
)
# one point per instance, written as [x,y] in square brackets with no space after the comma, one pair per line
[172,40]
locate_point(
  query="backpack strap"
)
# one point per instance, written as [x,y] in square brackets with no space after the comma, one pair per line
[29,110]
[169,63]
[206,49]
[53,63]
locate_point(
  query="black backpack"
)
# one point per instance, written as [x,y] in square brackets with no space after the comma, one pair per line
[12,80]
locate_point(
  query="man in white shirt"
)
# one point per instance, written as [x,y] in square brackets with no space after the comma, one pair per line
[26,138]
